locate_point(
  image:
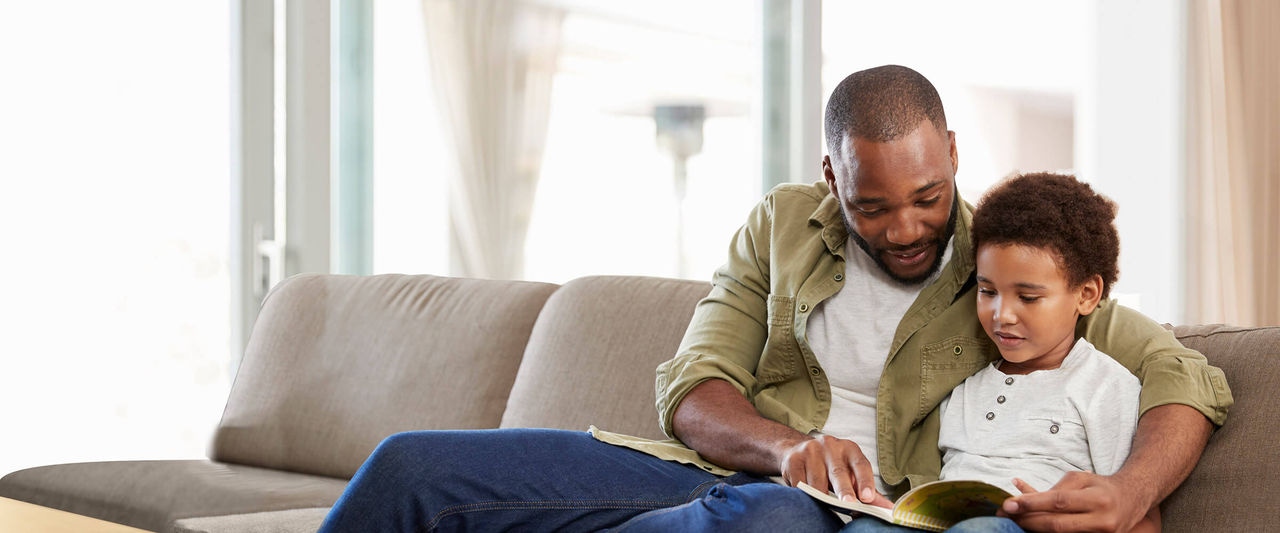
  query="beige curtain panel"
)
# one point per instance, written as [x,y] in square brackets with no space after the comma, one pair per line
[492,63]
[1233,162]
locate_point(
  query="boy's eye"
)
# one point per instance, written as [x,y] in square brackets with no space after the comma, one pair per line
[1029,299]
[986,292]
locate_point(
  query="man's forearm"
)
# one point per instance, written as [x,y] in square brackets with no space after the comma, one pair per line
[723,427]
[1165,450]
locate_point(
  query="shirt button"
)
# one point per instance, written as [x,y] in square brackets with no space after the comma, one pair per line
[958,350]
[991,416]
[1008,381]
[1000,399]
[1053,429]
[804,307]
[839,277]
[815,370]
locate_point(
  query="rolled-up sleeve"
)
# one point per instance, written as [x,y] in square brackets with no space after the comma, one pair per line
[1170,372]
[728,331]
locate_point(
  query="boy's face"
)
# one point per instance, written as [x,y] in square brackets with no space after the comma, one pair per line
[1027,306]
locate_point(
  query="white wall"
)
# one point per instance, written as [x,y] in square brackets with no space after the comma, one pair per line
[1092,86]
[1129,129]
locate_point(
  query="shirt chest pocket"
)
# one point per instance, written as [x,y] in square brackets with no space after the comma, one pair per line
[1059,433]
[945,364]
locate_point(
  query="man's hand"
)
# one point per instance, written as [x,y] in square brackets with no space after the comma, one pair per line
[717,421]
[829,463]
[1081,501]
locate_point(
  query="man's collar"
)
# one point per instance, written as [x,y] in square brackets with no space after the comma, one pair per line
[827,216]
[962,256]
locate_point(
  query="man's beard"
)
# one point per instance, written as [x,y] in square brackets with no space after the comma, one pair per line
[940,245]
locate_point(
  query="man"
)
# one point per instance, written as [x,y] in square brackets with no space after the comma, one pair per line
[844,315]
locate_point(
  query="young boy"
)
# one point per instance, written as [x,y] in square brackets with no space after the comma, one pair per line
[1047,253]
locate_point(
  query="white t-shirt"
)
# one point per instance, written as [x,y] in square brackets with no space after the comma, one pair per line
[1039,426]
[850,334]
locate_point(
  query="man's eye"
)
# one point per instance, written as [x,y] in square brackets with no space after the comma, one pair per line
[869,212]
[929,202]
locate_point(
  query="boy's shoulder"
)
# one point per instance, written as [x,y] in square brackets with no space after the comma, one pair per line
[1098,367]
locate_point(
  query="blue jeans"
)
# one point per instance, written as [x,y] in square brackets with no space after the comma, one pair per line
[981,524]
[551,480]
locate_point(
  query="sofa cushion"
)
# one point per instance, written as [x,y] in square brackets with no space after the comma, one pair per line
[593,352]
[153,494]
[336,363]
[290,521]
[1233,487]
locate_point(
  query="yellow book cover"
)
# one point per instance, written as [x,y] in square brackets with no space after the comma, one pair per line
[933,506]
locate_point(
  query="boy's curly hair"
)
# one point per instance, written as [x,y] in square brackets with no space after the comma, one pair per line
[1058,213]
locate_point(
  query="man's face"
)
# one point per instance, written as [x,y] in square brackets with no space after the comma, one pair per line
[898,198]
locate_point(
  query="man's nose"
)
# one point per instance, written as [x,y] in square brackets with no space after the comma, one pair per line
[905,229]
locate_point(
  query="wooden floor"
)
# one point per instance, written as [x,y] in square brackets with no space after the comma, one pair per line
[22,517]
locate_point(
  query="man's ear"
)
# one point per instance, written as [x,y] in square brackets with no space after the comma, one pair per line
[1089,294]
[829,174]
[955,155]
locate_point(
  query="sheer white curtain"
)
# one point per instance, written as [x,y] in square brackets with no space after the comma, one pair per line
[492,63]
[1233,166]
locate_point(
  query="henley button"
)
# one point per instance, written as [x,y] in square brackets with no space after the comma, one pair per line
[1053,429]
[1000,399]
[991,415]
[1008,381]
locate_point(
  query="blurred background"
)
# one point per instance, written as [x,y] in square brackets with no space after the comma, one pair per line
[163,164]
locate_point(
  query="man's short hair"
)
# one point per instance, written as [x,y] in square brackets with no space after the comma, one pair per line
[881,104]
[1058,213]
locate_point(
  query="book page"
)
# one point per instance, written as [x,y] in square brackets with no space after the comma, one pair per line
[855,506]
[940,504]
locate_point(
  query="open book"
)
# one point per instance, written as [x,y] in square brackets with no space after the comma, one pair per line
[933,506]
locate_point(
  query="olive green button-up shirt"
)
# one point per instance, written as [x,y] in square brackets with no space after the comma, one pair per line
[788,257]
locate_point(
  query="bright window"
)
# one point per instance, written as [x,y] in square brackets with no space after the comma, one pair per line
[606,201]
[114,217]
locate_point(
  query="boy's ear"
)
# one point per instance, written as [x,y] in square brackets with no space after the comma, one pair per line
[1089,294]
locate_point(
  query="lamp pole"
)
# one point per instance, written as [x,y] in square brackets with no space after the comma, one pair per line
[679,132]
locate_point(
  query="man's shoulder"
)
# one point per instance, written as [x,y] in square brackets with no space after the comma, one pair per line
[799,203]
[800,192]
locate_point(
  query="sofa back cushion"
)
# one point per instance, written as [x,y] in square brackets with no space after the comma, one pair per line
[592,355]
[337,363]
[1233,487]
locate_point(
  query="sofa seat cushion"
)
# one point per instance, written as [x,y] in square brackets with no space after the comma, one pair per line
[153,494]
[1233,487]
[593,352]
[289,521]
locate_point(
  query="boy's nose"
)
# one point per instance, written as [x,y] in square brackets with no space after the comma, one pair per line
[1003,313]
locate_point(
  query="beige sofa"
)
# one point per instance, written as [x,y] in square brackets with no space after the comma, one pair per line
[336,363]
